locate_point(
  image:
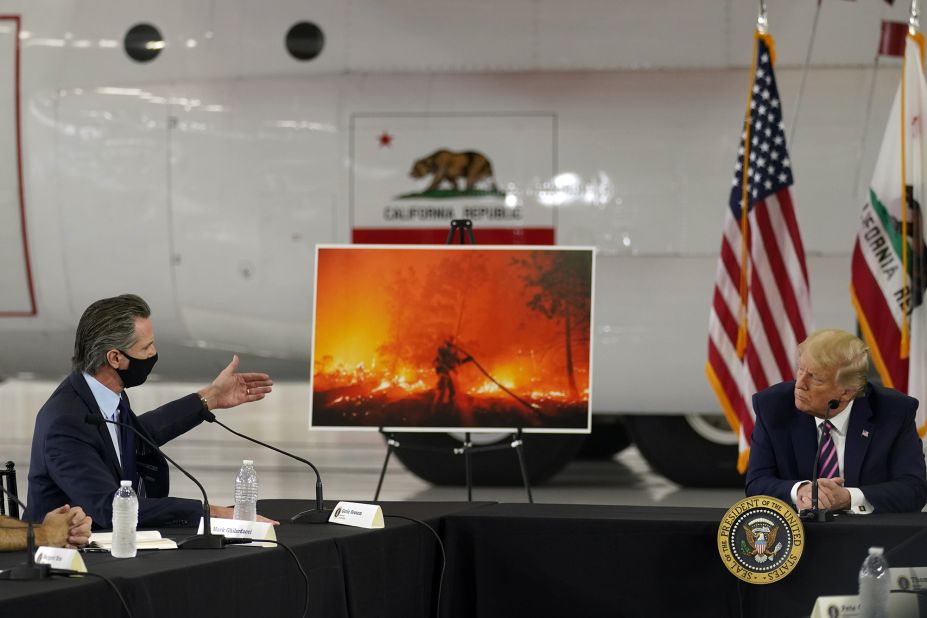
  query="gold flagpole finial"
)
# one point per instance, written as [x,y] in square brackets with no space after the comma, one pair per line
[914,22]
[762,22]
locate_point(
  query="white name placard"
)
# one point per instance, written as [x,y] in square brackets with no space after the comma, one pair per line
[60,558]
[909,578]
[357,514]
[845,607]
[258,531]
[848,606]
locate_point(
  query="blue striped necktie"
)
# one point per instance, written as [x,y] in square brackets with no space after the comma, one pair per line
[828,467]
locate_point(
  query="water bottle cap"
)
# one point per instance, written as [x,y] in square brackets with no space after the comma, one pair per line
[125,483]
[876,551]
[247,462]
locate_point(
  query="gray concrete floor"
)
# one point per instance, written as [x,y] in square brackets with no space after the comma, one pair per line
[349,462]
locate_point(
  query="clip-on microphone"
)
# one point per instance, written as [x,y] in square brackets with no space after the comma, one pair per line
[318,515]
[814,513]
[207,540]
[30,570]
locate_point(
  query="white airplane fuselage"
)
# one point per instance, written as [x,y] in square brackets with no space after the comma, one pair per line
[203,179]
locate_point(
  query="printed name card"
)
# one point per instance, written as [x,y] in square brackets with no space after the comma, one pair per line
[845,607]
[60,558]
[909,578]
[357,514]
[258,531]
[848,606]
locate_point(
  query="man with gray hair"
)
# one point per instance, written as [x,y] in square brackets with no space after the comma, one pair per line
[872,458]
[78,460]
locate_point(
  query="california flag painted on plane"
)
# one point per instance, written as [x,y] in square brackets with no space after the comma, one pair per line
[889,257]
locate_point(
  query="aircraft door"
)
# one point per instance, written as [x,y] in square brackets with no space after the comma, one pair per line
[112,198]
[254,172]
[15,276]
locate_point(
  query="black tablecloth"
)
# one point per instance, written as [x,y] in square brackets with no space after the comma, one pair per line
[503,560]
[352,573]
[576,560]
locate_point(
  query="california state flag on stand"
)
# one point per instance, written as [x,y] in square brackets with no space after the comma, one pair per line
[888,278]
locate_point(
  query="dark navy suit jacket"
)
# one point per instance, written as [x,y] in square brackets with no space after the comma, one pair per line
[883,455]
[75,463]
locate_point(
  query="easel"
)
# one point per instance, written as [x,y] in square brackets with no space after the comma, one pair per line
[459,225]
[467,450]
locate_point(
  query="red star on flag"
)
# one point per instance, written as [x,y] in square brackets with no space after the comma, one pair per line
[386,140]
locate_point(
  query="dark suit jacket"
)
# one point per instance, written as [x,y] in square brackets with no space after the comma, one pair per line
[883,454]
[75,463]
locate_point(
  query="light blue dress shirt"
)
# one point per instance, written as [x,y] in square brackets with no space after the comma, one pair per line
[108,401]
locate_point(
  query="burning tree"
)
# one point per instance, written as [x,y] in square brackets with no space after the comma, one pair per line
[562,281]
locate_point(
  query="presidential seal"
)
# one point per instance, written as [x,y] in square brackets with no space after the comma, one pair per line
[760,539]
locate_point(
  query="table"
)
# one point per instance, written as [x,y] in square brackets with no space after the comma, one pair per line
[503,560]
[352,573]
[581,560]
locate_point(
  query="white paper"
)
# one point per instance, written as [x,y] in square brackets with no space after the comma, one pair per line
[144,539]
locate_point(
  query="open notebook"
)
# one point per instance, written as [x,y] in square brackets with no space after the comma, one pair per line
[145,539]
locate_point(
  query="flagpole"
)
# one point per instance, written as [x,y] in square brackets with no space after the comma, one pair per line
[913,27]
[762,29]
[804,72]
[862,192]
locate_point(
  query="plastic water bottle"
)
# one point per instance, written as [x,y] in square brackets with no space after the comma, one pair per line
[874,585]
[125,520]
[246,492]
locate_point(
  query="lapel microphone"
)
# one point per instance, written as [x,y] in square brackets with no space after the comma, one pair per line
[814,513]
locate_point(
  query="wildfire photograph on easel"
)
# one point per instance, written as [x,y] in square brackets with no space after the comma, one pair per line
[452,337]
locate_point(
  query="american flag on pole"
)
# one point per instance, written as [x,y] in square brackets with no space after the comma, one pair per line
[761,309]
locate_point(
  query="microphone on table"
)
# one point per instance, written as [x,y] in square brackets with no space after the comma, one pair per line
[30,570]
[207,540]
[317,515]
[814,513]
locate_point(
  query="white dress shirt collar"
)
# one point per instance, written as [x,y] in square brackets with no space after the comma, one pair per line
[840,422]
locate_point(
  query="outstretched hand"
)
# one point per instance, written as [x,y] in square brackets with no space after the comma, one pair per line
[231,388]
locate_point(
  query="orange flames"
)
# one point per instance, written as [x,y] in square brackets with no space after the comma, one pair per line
[449,327]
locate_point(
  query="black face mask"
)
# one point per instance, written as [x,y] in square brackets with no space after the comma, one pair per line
[138,370]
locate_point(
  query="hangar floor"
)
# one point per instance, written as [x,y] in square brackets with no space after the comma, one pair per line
[349,462]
